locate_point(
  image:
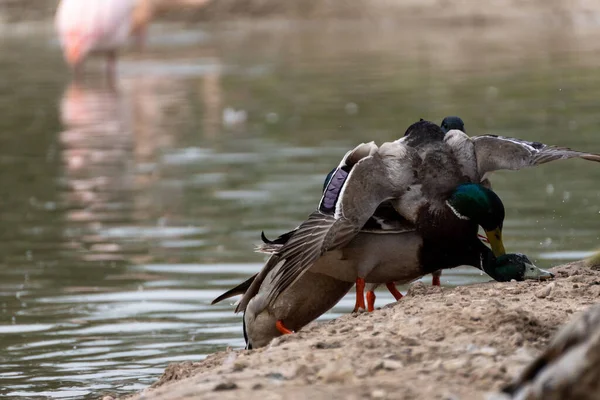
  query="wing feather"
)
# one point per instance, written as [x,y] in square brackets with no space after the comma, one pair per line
[239,289]
[498,152]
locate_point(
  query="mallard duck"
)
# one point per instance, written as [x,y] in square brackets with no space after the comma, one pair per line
[447,222]
[398,257]
[476,157]
[291,311]
[569,368]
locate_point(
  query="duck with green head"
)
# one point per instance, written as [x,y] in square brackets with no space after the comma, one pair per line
[397,254]
[429,191]
[476,157]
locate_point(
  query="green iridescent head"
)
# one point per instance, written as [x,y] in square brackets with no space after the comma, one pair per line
[471,201]
[452,122]
[514,266]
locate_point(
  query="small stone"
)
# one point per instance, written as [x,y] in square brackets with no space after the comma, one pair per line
[454,365]
[276,376]
[416,289]
[545,291]
[391,365]
[517,339]
[575,286]
[325,345]
[335,373]
[257,386]
[388,365]
[488,351]
[239,366]
[378,394]
[300,371]
[225,386]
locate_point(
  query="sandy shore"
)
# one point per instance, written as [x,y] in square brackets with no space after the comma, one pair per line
[435,343]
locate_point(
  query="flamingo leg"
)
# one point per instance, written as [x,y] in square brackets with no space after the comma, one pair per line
[391,286]
[360,294]
[141,36]
[371,300]
[111,67]
[282,329]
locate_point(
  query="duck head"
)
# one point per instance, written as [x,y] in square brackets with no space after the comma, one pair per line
[514,266]
[471,201]
[452,122]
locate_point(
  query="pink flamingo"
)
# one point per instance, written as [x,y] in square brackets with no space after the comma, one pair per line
[93,26]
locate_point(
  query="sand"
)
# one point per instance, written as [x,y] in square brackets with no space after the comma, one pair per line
[435,343]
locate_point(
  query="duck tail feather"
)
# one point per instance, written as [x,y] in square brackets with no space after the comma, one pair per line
[239,289]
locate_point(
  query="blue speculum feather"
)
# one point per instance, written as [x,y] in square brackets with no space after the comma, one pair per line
[332,191]
[327,178]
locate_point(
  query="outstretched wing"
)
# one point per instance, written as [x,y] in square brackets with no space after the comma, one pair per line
[497,152]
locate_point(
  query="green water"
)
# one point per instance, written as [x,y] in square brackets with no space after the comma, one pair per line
[123,213]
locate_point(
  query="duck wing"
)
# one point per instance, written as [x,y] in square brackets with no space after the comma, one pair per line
[386,220]
[366,177]
[498,152]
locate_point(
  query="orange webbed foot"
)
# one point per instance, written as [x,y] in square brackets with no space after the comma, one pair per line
[394,291]
[282,329]
[371,301]
[360,294]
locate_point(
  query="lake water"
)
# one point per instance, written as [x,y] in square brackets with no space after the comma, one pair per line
[124,213]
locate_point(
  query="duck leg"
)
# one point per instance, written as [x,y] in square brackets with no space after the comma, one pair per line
[435,278]
[391,286]
[371,300]
[282,329]
[360,294]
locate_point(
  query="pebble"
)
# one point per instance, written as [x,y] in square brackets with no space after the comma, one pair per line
[454,365]
[390,365]
[378,394]
[335,373]
[545,291]
[239,366]
[517,339]
[225,386]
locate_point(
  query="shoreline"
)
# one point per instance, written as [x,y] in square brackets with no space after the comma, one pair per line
[470,13]
[435,343]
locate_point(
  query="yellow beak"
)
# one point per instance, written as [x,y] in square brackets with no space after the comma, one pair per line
[495,238]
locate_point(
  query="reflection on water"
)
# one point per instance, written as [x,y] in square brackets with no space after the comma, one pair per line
[125,211]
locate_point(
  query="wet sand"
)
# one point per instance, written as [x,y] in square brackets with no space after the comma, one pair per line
[435,343]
